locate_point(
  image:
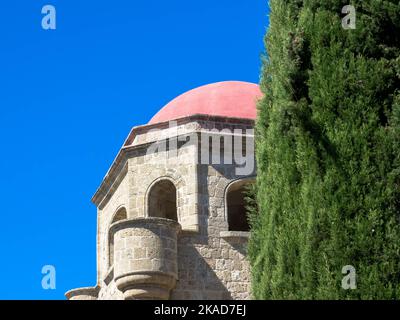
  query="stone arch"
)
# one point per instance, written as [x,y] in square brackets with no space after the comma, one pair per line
[162,199]
[235,211]
[120,214]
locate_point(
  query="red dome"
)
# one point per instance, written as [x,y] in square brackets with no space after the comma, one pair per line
[233,99]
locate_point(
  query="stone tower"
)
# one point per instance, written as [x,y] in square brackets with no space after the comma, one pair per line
[171,221]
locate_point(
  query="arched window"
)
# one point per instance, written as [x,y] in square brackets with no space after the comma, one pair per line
[119,215]
[236,206]
[162,200]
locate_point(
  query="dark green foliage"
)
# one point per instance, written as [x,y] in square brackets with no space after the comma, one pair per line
[328,153]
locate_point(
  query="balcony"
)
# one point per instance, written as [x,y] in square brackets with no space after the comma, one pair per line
[145,257]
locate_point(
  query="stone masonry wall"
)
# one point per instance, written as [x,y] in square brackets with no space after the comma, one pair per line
[210,265]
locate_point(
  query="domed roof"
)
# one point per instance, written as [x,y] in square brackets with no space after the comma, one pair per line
[233,99]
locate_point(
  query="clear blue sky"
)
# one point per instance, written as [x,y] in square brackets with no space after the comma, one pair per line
[68,98]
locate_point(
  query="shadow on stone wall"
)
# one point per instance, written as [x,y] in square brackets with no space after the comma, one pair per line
[197,279]
[198,254]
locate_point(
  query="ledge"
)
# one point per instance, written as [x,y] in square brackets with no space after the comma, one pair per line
[234,234]
[86,293]
[145,222]
[191,230]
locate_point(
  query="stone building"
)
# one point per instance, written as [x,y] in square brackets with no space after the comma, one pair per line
[171,220]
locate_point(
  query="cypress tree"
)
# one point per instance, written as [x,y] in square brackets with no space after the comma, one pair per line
[328,153]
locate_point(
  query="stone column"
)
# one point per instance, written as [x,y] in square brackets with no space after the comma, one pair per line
[145,257]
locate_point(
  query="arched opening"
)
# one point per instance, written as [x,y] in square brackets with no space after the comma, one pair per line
[236,206]
[121,214]
[162,200]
